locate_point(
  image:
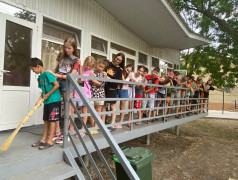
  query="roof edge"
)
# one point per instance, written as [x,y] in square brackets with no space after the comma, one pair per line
[176,15]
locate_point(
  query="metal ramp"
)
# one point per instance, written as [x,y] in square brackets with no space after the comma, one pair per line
[24,162]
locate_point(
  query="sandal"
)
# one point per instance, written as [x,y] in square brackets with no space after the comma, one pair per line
[138,123]
[148,122]
[38,143]
[45,146]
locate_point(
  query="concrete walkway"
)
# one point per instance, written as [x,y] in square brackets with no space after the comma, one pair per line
[225,115]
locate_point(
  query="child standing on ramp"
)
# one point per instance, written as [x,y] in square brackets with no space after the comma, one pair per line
[52,102]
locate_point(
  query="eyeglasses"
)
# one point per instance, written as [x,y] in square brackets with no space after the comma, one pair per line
[118,59]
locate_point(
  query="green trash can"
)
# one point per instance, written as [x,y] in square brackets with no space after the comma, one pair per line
[140,159]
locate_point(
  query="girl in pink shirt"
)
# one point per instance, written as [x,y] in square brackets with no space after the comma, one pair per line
[84,70]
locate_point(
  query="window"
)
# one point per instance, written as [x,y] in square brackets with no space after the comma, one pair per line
[155,62]
[98,48]
[99,45]
[130,61]
[54,35]
[124,49]
[142,59]
[17,54]
[175,66]
[17,12]
[98,57]
[170,65]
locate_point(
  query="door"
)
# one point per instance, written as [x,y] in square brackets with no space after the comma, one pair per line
[17,83]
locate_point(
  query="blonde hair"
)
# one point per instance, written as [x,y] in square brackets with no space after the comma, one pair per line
[73,43]
[89,59]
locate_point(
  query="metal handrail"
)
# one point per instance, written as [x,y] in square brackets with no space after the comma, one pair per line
[111,141]
[71,81]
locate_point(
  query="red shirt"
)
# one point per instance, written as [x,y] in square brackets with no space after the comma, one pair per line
[151,80]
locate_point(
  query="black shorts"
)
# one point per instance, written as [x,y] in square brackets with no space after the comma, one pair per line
[52,111]
[110,93]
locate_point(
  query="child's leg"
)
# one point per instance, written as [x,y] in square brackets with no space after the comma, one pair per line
[91,120]
[71,112]
[84,111]
[45,132]
[51,131]
[122,107]
[98,109]
[113,116]
[103,110]
[129,107]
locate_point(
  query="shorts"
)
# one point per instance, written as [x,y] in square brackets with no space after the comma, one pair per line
[122,93]
[130,92]
[151,103]
[195,100]
[80,103]
[110,93]
[160,95]
[52,111]
[174,95]
[62,84]
[182,101]
[98,103]
[137,103]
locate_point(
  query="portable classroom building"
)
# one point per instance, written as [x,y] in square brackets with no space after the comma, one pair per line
[149,32]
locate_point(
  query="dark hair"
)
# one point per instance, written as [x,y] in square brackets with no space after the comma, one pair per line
[176,73]
[139,67]
[146,69]
[34,62]
[125,74]
[166,80]
[130,65]
[122,64]
[156,69]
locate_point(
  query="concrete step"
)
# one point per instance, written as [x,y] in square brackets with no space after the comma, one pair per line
[30,163]
[58,171]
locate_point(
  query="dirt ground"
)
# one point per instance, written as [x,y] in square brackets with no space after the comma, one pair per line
[206,149]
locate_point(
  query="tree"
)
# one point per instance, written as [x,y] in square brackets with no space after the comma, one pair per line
[218,21]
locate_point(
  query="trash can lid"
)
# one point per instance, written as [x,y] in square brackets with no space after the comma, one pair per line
[138,156]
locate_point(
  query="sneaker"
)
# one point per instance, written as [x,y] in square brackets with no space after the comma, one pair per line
[59,140]
[144,116]
[56,136]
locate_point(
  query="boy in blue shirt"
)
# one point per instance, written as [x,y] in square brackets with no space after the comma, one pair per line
[52,102]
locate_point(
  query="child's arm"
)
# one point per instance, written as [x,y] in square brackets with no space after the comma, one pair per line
[97,83]
[61,76]
[39,99]
[55,87]
[77,66]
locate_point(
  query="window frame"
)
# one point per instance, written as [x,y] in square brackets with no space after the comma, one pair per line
[147,56]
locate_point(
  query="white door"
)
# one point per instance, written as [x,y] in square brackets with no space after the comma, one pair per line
[18,85]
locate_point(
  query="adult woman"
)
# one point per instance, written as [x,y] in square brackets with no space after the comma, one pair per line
[114,71]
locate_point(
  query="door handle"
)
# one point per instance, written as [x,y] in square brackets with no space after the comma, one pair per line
[5,71]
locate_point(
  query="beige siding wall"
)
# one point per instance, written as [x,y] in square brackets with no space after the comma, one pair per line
[90,17]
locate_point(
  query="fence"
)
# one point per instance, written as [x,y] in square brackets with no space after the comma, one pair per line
[72,81]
